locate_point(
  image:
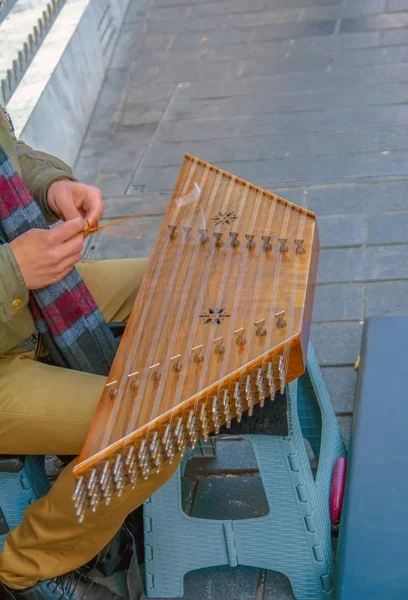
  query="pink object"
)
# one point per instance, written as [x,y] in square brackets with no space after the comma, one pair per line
[337,490]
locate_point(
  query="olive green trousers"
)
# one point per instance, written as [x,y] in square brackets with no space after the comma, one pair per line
[48,410]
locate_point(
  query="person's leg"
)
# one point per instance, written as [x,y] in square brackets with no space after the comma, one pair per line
[48,410]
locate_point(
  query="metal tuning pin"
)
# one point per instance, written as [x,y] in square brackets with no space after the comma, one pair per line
[187,232]
[260,327]
[192,428]
[215,415]
[248,395]
[250,242]
[118,473]
[238,401]
[299,246]
[92,482]
[240,336]
[226,409]
[266,242]
[218,345]
[154,370]
[105,475]
[179,434]
[281,374]
[234,239]
[203,235]
[198,353]
[144,459]
[283,244]
[271,381]
[176,364]
[155,451]
[113,392]
[260,386]
[134,382]
[173,231]
[204,421]
[168,443]
[280,319]
[218,238]
[80,486]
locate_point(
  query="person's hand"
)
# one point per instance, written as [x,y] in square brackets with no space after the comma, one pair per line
[47,255]
[71,199]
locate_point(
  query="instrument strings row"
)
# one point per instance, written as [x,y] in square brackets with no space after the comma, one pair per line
[136,461]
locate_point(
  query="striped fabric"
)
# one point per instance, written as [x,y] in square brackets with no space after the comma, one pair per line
[66,315]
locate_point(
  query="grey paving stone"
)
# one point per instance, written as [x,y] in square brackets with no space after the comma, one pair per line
[186,72]
[397,5]
[331,43]
[277,587]
[341,383]
[126,149]
[293,64]
[338,303]
[126,46]
[229,497]
[356,197]
[168,12]
[142,114]
[277,146]
[342,230]
[227,36]
[114,183]
[256,104]
[211,584]
[369,56]
[108,106]
[389,228]
[293,30]
[387,298]
[123,206]
[226,7]
[87,166]
[269,84]
[336,344]
[148,92]
[366,23]
[394,36]
[244,126]
[363,264]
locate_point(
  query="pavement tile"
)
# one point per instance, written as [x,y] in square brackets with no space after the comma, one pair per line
[336,344]
[363,264]
[397,5]
[293,30]
[386,298]
[366,23]
[389,228]
[338,303]
[331,43]
[227,7]
[394,36]
[341,383]
[114,183]
[342,230]
[227,36]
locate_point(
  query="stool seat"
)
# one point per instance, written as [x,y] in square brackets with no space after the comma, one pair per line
[294,538]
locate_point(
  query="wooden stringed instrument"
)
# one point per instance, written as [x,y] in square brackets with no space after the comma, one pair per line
[220,324]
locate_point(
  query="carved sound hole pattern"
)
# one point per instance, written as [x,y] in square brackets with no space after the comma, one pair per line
[214,315]
[224,218]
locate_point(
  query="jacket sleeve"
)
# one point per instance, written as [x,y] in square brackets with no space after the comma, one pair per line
[13,291]
[39,170]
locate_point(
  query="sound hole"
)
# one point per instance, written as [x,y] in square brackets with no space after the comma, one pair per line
[224,218]
[214,315]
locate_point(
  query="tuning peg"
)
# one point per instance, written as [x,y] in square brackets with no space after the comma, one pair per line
[218,238]
[198,353]
[187,231]
[218,345]
[250,238]
[203,235]
[260,327]
[299,246]
[267,243]
[234,239]
[280,319]
[240,336]
[283,244]
[175,363]
[154,370]
[173,230]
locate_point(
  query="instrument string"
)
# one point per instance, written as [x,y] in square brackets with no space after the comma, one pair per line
[294,292]
[177,263]
[133,340]
[180,312]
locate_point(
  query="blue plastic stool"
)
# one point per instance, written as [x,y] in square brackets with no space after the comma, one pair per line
[19,489]
[294,538]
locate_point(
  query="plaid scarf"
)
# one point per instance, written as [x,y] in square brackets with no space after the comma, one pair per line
[65,313]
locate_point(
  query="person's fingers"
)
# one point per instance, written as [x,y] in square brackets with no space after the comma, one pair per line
[93,206]
[72,246]
[67,230]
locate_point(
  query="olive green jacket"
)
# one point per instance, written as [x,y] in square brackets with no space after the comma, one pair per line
[39,170]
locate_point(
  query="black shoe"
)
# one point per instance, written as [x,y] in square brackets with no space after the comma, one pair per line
[72,586]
